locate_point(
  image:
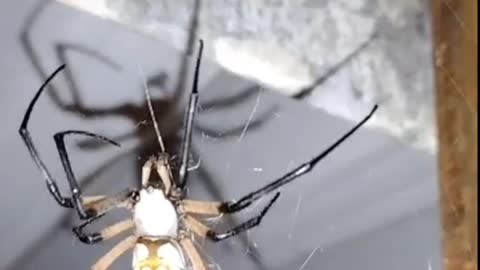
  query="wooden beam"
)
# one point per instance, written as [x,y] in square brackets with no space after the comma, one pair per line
[455,29]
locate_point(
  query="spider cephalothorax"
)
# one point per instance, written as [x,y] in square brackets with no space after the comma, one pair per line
[164,222]
[151,200]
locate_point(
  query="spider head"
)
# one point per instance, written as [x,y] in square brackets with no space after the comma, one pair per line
[157,254]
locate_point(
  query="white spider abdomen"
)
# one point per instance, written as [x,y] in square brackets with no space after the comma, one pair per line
[154,214]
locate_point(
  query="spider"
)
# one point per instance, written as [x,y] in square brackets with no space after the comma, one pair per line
[164,221]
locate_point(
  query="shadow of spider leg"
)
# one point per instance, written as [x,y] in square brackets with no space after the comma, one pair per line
[307,91]
[61,49]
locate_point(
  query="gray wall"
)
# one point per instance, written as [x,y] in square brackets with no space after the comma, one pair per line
[372,204]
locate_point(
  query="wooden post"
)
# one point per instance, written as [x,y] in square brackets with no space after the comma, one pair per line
[455,29]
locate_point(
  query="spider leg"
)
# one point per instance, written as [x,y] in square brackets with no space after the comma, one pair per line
[110,257]
[304,168]
[205,209]
[91,238]
[189,117]
[105,234]
[251,223]
[195,226]
[117,228]
[101,205]
[189,46]
[201,207]
[50,181]
[204,231]
[93,199]
[88,179]
[25,134]
[106,203]
[192,253]
[74,186]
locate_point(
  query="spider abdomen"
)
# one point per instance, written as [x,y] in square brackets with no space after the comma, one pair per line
[154,214]
[157,254]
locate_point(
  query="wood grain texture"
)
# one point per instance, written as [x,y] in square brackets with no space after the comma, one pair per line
[455,31]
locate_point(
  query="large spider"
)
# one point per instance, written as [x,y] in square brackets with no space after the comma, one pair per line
[164,221]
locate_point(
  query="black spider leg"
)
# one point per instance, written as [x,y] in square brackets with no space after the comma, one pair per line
[179,91]
[188,124]
[25,134]
[112,202]
[88,238]
[72,181]
[190,44]
[306,91]
[253,222]
[304,168]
